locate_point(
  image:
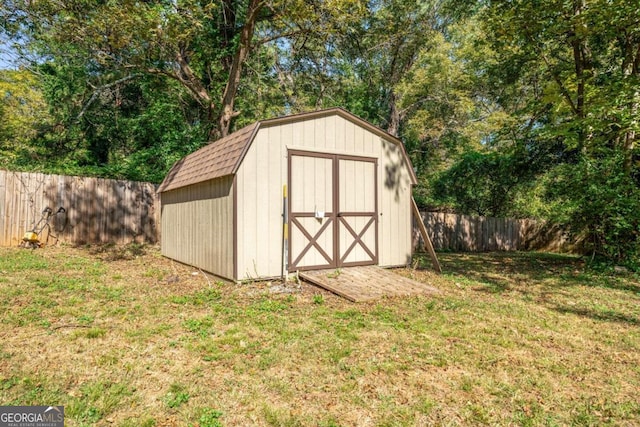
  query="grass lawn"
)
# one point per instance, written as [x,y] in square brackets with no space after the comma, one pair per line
[124,337]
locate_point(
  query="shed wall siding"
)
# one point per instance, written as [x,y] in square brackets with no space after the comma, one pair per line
[197,225]
[263,173]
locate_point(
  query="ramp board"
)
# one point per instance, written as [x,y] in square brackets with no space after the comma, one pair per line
[366,283]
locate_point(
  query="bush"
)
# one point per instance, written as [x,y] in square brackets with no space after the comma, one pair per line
[599,202]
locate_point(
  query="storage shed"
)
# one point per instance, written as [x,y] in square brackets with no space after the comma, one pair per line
[342,185]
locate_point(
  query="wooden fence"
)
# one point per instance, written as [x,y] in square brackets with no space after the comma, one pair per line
[114,211]
[97,210]
[466,233]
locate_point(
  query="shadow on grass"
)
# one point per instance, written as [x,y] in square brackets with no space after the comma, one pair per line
[608,316]
[508,271]
[113,252]
[543,277]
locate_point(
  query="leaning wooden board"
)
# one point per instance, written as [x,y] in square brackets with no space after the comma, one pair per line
[425,236]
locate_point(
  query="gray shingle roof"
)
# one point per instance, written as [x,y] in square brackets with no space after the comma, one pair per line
[211,161]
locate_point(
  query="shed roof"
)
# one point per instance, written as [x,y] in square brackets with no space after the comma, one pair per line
[224,156]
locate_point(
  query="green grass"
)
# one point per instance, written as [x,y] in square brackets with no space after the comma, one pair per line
[124,337]
[177,396]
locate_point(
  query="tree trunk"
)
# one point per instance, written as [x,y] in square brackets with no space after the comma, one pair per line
[246,34]
[395,117]
[630,139]
[631,67]
[580,61]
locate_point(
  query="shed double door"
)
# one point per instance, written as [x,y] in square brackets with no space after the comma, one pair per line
[333,211]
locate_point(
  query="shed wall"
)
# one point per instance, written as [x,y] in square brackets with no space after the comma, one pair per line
[262,175]
[197,225]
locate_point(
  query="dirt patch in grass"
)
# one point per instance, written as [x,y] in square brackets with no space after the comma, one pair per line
[124,337]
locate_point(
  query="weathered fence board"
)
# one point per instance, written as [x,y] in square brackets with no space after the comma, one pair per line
[97,210]
[117,211]
[464,233]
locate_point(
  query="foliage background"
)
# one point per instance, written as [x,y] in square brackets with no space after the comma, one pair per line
[507,108]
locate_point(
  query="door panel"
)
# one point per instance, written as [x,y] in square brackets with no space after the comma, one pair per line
[313,183]
[357,192]
[311,211]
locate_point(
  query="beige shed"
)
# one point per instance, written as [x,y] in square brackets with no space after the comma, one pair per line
[348,186]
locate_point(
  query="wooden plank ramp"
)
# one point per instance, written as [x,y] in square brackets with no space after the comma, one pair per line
[359,284]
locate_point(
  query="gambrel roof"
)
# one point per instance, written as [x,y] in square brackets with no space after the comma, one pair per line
[224,156]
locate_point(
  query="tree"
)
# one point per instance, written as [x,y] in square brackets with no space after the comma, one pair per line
[490,183]
[589,62]
[97,61]
[600,203]
[586,62]
[23,115]
[202,45]
[360,58]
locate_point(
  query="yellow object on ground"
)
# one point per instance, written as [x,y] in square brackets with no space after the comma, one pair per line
[30,236]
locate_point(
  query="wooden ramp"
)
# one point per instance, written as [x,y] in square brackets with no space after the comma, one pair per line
[360,284]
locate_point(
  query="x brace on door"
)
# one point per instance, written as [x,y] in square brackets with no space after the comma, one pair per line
[357,239]
[313,241]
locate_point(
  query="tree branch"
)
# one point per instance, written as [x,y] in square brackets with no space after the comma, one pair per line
[192,86]
[101,89]
[563,89]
